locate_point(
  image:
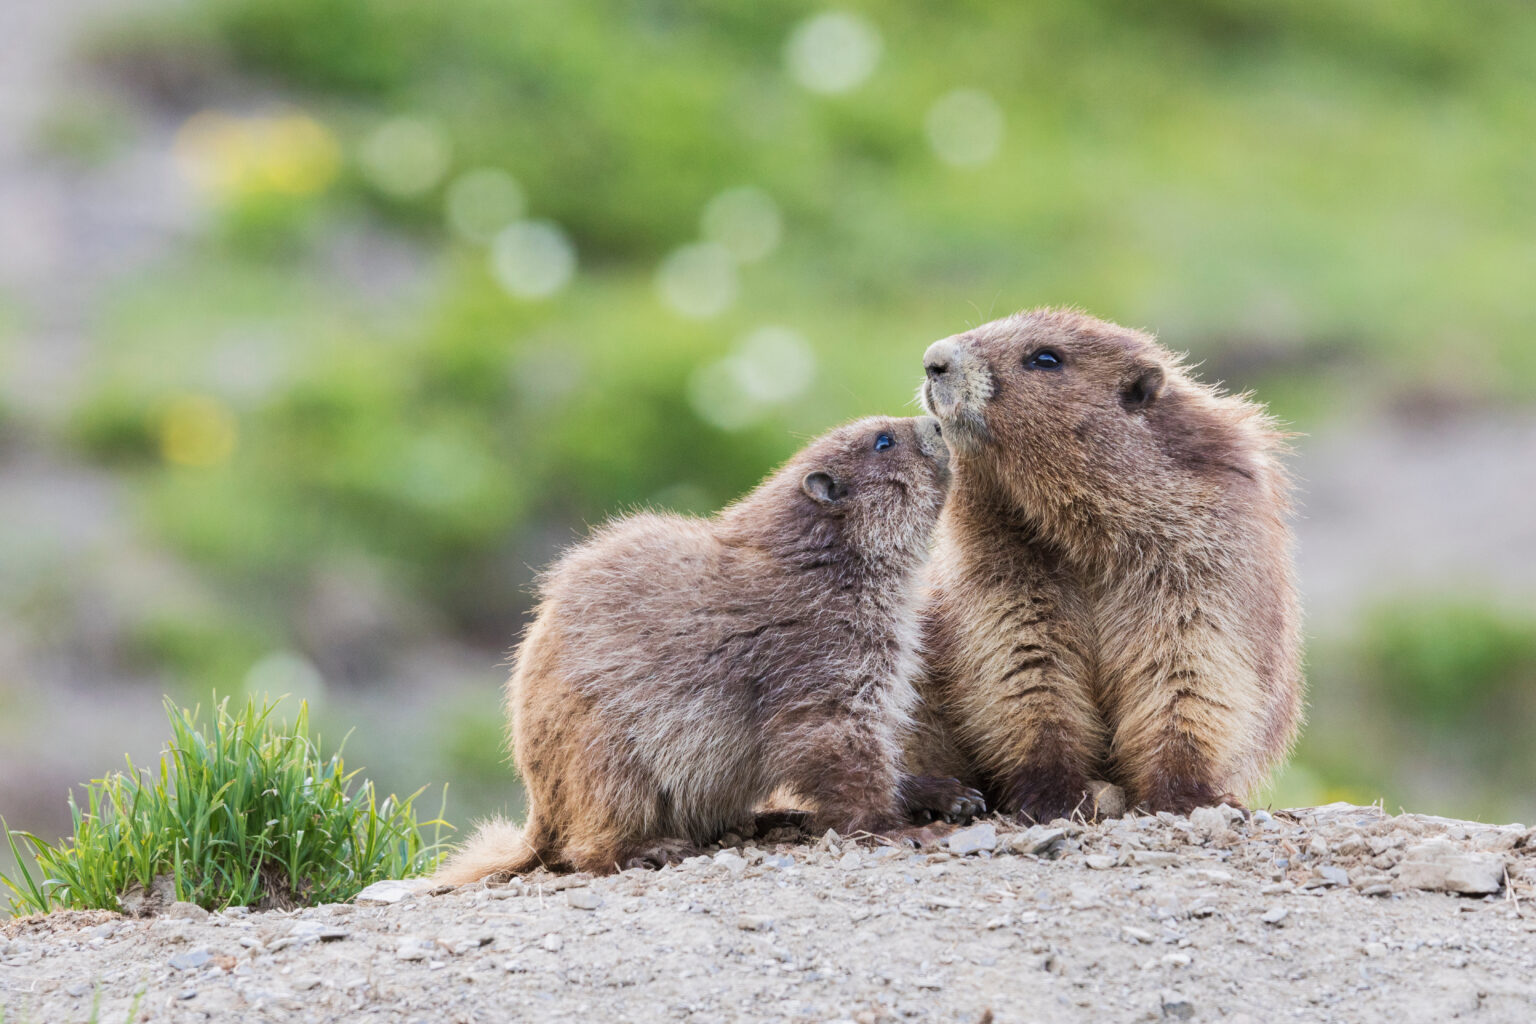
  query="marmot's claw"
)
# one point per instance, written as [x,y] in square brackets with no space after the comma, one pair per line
[929,798]
[967,806]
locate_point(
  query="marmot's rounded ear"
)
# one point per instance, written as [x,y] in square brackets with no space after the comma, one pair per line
[1143,389]
[822,488]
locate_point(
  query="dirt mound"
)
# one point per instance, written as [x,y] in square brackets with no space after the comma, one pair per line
[1331,913]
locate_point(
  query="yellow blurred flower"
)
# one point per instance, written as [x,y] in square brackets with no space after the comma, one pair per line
[231,156]
[197,430]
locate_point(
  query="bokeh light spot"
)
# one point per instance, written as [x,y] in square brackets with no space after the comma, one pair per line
[199,431]
[481,202]
[285,673]
[698,280]
[532,259]
[774,364]
[229,156]
[746,221]
[965,127]
[769,366]
[404,157]
[832,52]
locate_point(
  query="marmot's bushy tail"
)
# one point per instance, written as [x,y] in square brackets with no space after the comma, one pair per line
[498,847]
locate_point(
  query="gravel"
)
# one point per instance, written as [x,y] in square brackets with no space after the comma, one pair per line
[1160,918]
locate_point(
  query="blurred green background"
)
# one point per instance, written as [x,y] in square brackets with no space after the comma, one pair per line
[323,323]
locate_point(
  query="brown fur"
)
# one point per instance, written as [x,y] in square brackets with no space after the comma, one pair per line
[680,670]
[1112,588]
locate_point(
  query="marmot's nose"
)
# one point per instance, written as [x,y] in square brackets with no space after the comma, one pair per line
[939,359]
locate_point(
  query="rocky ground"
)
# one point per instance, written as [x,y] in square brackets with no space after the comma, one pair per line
[1332,913]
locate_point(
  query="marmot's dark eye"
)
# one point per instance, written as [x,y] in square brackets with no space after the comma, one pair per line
[883,442]
[1045,359]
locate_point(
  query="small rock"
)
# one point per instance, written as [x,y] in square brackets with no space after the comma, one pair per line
[934,984]
[1274,915]
[731,861]
[316,930]
[1137,934]
[587,899]
[1177,959]
[1153,858]
[1036,840]
[186,911]
[973,839]
[465,941]
[1177,1007]
[850,860]
[392,890]
[1105,800]
[1439,866]
[1333,876]
[778,861]
[1099,861]
[413,947]
[1208,820]
[1374,949]
[754,923]
[552,942]
[191,960]
[1496,841]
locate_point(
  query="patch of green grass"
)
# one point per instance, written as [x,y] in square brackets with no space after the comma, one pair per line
[1449,663]
[245,811]
[1426,707]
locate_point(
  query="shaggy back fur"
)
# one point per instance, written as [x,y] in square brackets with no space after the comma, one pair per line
[679,670]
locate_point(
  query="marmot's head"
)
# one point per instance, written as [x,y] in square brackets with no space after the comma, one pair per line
[1086,426]
[873,488]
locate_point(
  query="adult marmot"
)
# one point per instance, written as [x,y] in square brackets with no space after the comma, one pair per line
[1112,588]
[680,670]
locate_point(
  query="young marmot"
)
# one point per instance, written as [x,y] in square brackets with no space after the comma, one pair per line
[680,670]
[1112,587]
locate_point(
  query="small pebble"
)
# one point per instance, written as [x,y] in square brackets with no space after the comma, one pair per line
[192,960]
[1177,1007]
[412,948]
[972,840]
[552,942]
[1274,915]
[185,911]
[754,923]
[732,862]
[585,899]
[1037,839]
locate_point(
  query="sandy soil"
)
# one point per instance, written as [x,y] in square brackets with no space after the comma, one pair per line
[1321,914]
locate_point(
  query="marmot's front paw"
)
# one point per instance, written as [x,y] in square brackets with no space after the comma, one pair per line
[928,798]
